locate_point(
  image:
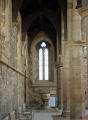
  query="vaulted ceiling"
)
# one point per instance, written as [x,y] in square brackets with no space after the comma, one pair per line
[40,15]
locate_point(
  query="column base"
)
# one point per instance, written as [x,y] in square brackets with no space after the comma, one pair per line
[66,114]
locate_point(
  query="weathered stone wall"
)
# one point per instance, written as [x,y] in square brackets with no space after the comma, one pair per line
[11,90]
[13,60]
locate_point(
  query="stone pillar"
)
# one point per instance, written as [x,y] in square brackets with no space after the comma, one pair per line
[73,62]
[77,82]
[66,94]
[60,83]
[86,75]
[65,51]
[73,81]
[84,21]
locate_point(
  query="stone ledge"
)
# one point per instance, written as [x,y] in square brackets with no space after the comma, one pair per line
[75,43]
[43,85]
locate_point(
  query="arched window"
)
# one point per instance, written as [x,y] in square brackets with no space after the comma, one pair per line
[43,62]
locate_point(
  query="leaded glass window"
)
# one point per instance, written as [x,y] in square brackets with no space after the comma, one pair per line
[43,62]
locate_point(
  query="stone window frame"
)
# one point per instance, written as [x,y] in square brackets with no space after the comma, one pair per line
[33,61]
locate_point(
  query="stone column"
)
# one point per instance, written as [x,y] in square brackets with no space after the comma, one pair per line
[66,94]
[84,26]
[60,83]
[77,82]
[86,92]
[65,69]
[73,81]
[74,61]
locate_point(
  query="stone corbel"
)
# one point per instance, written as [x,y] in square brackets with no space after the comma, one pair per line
[83,11]
[59,65]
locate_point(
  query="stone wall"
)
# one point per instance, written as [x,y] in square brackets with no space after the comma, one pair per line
[11,90]
[13,60]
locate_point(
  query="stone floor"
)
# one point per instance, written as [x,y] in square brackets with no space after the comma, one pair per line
[46,115]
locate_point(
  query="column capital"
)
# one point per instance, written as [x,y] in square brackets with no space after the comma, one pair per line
[83,11]
[60,63]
